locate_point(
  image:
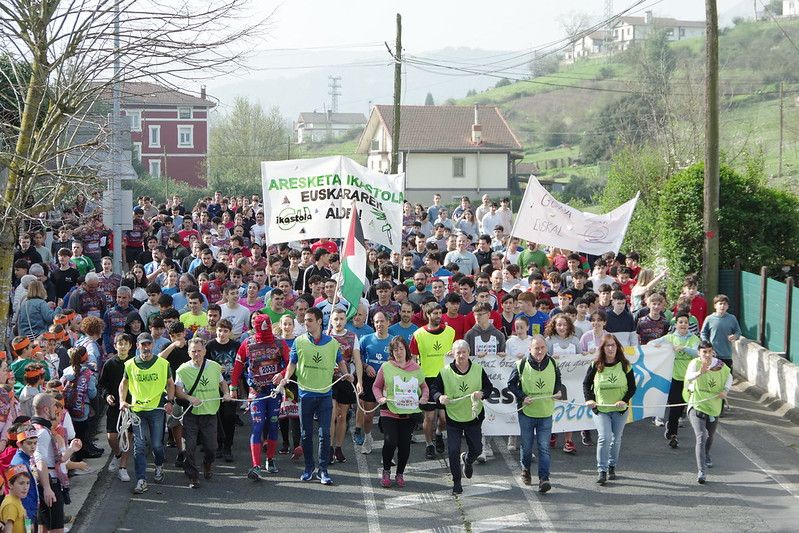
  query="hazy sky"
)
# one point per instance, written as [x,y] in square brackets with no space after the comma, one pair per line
[434,24]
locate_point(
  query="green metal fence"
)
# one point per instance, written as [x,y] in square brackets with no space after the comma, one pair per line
[793,351]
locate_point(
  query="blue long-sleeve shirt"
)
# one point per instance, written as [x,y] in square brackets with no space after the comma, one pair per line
[717,329]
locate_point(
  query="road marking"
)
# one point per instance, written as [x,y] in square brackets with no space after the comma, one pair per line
[483,526]
[535,504]
[369,504]
[782,481]
[430,497]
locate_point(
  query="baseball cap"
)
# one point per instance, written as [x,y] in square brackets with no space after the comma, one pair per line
[144,337]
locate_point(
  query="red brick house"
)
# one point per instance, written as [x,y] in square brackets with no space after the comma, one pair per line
[169,130]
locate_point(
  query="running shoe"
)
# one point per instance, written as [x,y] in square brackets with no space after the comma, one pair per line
[585,435]
[700,478]
[113,465]
[366,448]
[487,450]
[602,478]
[482,457]
[122,474]
[324,477]
[284,450]
[659,422]
[673,442]
[306,476]
[553,441]
[468,468]
[194,483]
[611,472]
[440,448]
[271,467]
[569,447]
[255,473]
[400,480]
[339,454]
[527,479]
[513,443]
[332,456]
[544,485]
[358,437]
[430,452]
[385,481]
[457,488]
[141,487]
[159,474]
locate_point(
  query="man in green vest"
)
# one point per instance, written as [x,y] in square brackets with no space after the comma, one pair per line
[314,356]
[199,382]
[535,381]
[460,387]
[147,378]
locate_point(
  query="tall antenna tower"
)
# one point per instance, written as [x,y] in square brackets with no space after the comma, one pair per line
[335,92]
[609,27]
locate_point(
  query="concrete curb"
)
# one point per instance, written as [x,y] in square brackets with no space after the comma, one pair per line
[770,372]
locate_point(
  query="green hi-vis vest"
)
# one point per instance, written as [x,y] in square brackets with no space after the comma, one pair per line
[705,387]
[540,385]
[610,386]
[433,348]
[315,364]
[402,389]
[457,386]
[207,386]
[682,359]
[146,385]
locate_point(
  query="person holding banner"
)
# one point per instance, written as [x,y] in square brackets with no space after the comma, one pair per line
[399,388]
[608,386]
[561,341]
[460,387]
[707,382]
[536,383]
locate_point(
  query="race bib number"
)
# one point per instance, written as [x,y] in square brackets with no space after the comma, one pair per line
[405,395]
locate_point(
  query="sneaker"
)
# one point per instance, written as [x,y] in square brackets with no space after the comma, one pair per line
[324,477]
[227,453]
[673,442]
[141,487]
[399,479]
[482,457]
[700,478]
[159,474]
[366,448]
[271,467]
[113,465]
[544,485]
[569,447]
[255,474]
[194,483]
[358,437]
[611,472]
[659,422]
[553,441]
[513,443]
[332,457]
[307,476]
[386,479]
[527,479]
[585,437]
[440,448]
[468,469]
[339,454]
[457,488]
[122,474]
[602,478]
[430,452]
[487,450]
[284,450]
[180,460]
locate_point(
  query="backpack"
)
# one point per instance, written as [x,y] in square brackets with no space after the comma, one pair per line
[76,393]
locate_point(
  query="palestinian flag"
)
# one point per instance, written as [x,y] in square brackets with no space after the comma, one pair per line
[353,264]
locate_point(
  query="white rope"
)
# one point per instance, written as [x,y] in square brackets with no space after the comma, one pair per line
[558,400]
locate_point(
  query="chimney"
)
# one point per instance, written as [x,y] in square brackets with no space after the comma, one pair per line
[648,18]
[202,92]
[477,129]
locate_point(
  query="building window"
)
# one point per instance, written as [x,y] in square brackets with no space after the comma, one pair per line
[155,168]
[185,136]
[682,32]
[458,167]
[184,113]
[135,119]
[375,145]
[155,136]
[136,152]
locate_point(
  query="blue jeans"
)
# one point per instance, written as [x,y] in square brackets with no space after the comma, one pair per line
[151,431]
[322,407]
[609,427]
[534,430]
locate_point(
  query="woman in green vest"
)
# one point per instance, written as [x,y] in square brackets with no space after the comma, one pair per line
[457,387]
[608,386]
[707,382]
[399,388]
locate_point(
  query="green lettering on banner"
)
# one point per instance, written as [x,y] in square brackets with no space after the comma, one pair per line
[304,182]
[377,193]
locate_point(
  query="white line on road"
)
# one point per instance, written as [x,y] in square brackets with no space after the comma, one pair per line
[430,497]
[368,492]
[483,526]
[782,481]
[535,504]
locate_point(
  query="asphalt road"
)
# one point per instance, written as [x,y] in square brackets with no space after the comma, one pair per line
[754,486]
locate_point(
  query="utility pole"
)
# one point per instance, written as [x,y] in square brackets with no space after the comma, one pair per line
[779,167]
[335,92]
[395,134]
[115,181]
[710,251]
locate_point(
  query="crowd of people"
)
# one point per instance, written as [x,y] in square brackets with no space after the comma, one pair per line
[206,319]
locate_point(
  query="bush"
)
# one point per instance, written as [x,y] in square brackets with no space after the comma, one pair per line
[159,188]
[502,83]
[757,225]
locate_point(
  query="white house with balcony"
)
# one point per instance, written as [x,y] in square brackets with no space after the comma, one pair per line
[452,150]
[328,126]
[587,45]
[628,30]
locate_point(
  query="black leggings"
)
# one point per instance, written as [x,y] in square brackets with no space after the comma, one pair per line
[294,425]
[396,436]
[82,431]
[675,396]
[226,425]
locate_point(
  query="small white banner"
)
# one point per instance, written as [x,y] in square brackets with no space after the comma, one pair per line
[312,198]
